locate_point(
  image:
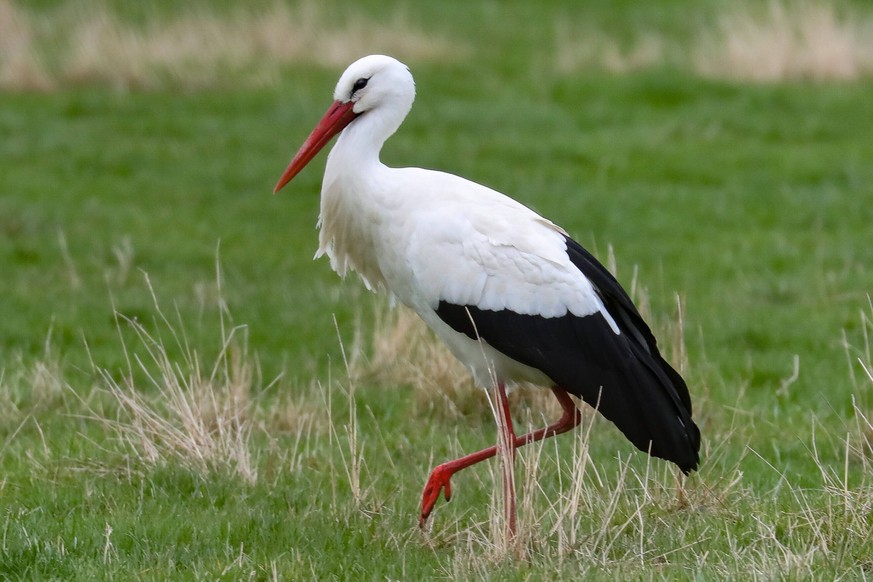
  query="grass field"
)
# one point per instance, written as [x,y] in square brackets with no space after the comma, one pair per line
[185,394]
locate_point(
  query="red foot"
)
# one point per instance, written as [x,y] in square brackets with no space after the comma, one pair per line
[438,480]
[439,477]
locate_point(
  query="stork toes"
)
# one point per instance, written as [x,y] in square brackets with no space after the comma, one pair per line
[437,482]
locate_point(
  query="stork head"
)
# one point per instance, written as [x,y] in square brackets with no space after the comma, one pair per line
[376,87]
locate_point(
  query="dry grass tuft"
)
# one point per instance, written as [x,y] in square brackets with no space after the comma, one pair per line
[197,48]
[29,385]
[406,353]
[787,40]
[182,413]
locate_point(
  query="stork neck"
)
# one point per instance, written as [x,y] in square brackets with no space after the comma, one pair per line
[360,144]
[356,150]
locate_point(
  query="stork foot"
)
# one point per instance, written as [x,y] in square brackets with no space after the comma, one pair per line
[437,482]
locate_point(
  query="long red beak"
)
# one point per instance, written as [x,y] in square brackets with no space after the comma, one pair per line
[338,116]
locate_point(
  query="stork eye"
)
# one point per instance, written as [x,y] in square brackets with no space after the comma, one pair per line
[359,84]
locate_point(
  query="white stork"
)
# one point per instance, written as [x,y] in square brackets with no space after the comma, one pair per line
[510,293]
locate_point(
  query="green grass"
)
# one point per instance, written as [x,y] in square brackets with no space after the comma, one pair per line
[751,202]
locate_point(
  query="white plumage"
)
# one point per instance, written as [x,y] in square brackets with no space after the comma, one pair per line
[507,290]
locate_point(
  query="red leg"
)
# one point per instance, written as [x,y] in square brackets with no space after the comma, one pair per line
[507,449]
[440,476]
[569,420]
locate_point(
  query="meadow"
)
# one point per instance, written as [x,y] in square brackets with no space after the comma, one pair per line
[186,394]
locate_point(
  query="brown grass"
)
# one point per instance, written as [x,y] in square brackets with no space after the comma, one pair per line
[406,353]
[170,407]
[88,43]
[780,40]
[787,40]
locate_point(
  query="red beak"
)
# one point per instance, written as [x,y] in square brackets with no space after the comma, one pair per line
[338,116]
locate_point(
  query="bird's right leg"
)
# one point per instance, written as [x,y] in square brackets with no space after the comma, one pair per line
[440,476]
[569,420]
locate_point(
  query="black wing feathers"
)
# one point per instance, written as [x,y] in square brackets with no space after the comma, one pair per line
[623,376]
[620,306]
